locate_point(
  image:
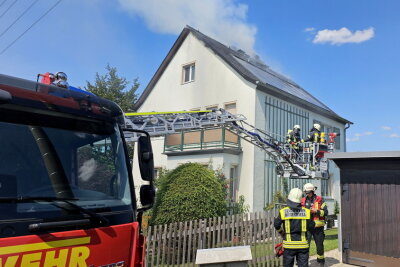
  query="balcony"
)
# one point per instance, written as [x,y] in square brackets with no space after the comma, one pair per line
[219,140]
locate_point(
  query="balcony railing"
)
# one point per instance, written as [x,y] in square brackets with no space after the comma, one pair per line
[201,140]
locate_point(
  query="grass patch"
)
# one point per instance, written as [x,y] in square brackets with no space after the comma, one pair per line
[331,241]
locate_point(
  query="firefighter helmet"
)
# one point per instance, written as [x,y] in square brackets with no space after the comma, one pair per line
[317,126]
[295,195]
[61,76]
[309,187]
[296,127]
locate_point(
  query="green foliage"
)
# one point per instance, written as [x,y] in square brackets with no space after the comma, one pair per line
[336,209]
[222,180]
[239,207]
[114,88]
[279,197]
[189,192]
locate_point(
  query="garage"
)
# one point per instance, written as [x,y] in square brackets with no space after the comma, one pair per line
[370,207]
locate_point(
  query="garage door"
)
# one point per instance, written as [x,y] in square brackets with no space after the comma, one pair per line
[371,220]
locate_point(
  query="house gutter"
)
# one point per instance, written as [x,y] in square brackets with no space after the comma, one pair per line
[345,134]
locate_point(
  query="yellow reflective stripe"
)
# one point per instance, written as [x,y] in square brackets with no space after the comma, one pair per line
[303,230]
[295,246]
[320,257]
[166,112]
[282,212]
[280,230]
[287,230]
[295,218]
[295,242]
[308,213]
[323,205]
[321,213]
[319,223]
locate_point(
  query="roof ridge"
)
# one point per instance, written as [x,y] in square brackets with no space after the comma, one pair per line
[236,53]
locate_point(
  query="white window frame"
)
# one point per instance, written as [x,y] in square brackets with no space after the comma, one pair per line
[192,72]
[234,182]
[210,107]
[231,103]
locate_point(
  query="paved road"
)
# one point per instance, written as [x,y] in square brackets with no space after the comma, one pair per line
[332,259]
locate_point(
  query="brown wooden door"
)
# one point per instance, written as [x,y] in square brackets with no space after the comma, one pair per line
[371,224]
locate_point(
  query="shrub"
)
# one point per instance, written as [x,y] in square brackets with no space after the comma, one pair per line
[189,192]
[336,208]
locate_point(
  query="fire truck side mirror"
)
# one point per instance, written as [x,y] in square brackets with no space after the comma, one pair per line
[147,195]
[145,155]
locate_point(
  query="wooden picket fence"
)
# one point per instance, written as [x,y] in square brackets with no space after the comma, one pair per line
[176,244]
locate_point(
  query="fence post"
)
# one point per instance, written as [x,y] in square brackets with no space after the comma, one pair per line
[178,260]
[158,232]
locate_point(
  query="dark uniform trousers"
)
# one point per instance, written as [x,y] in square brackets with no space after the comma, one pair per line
[301,256]
[319,236]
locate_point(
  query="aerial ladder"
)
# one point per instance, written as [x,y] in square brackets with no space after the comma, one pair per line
[290,163]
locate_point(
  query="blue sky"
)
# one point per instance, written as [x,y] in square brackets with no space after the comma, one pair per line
[345,53]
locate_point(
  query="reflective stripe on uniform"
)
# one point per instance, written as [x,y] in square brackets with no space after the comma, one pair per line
[303,230]
[287,213]
[296,245]
[320,257]
[319,223]
[287,230]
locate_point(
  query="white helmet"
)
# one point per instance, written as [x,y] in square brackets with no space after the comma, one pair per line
[296,127]
[295,195]
[317,126]
[309,187]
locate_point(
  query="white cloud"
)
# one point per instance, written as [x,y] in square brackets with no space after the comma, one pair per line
[343,36]
[363,134]
[224,20]
[310,29]
[394,135]
[386,128]
[354,139]
[357,136]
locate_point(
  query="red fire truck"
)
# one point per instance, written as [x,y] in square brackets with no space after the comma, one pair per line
[67,196]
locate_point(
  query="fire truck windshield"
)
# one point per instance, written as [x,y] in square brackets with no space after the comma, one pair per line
[44,163]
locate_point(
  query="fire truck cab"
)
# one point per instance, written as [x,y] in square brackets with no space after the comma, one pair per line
[66,189]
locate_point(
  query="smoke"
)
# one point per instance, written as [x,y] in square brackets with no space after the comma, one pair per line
[224,20]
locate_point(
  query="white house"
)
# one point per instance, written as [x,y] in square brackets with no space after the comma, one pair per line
[201,73]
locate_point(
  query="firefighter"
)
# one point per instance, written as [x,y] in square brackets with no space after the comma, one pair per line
[315,137]
[292,223]
[293,137]
[315,134]
[319,211]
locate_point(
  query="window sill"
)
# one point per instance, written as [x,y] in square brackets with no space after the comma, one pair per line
[187,82]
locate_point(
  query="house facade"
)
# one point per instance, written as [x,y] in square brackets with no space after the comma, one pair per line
[200,73]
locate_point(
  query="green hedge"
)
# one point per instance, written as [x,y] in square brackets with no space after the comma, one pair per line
[189,192]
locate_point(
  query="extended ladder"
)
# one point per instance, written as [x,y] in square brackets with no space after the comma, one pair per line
[287,161]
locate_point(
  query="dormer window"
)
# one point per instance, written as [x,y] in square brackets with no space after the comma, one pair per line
[188,73]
